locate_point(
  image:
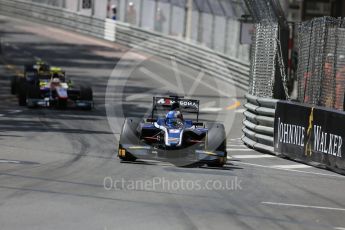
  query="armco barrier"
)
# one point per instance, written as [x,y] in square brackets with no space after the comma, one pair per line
[187,53]
[258,130]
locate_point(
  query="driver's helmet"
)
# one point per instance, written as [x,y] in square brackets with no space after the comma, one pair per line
[55,81]
[172,118]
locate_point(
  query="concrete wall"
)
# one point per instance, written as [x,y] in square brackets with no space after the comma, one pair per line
[216,32]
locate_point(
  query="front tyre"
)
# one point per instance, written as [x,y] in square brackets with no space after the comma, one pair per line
[128,136]
[216,141]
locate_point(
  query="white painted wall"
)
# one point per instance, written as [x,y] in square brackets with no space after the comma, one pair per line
[212,35]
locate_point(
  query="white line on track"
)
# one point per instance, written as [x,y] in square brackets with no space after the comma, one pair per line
[235,139]
[239,145]
[240,150]
[1,115]
[304,206]
[240,110]
[291,170]
[10,161]
[339,228]
[252,156]
[210,109]
[15,111]
[295,166]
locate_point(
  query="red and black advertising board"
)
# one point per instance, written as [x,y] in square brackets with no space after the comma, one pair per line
[310,134]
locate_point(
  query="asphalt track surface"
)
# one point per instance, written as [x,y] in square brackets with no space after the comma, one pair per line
[57,167]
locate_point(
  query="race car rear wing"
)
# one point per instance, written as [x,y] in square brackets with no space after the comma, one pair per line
[186,105]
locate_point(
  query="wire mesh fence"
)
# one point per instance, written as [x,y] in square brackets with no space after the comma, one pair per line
[267,61]
[264,50]
[321,64]
[262,10]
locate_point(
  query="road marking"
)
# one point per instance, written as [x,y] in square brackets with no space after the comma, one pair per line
[1,115]
[290,170]
[10,161]
[238,145]
[240,110]
[253,156]
[296,166]
[235,139]
[339,228]
[15,111]
[244,150]
[210,109]
[304,206]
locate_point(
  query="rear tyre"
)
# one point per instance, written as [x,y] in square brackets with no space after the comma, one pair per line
[86,94]
[33,92]
[62,103]
[216,141]
[128,136]
[21,92]
[14,85]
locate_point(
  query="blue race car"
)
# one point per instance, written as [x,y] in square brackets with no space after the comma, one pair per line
[172,138]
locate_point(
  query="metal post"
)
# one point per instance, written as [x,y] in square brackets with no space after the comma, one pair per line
[78,6]
[141,13]
[200,27]
[155,15]
[189,19]
[125,13]
[213,29]
[170,18]
[226,35]
[92,8]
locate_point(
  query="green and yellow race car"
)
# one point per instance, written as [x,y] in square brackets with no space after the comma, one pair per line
[43,85]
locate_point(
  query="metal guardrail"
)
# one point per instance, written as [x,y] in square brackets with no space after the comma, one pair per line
[258,124]
[187,53]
